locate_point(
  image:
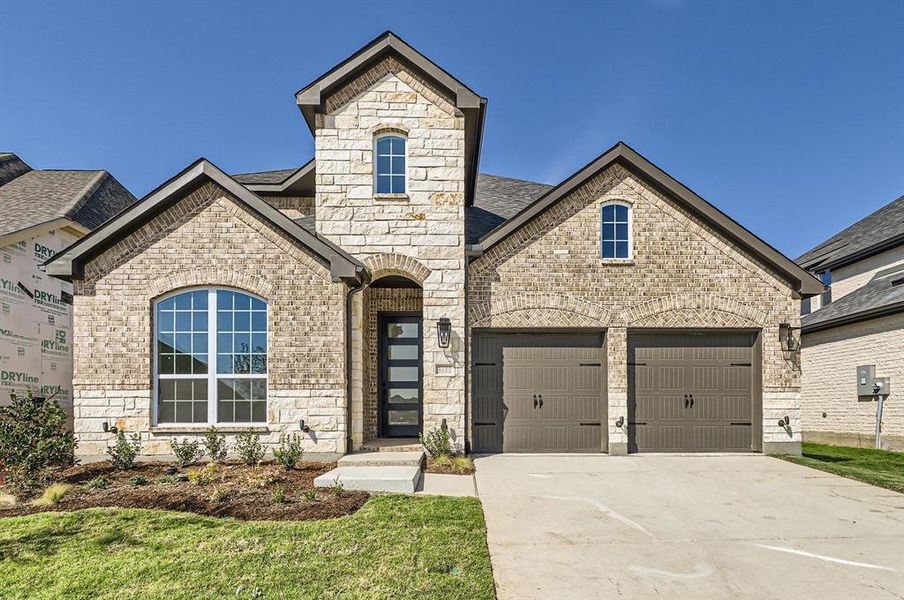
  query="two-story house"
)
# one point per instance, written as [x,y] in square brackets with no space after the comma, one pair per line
[858,321]
[385,287]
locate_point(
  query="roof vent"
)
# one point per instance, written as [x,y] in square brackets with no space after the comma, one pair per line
[897,281]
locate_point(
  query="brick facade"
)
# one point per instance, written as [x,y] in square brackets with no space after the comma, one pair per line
[683,275]
[208,239]
[829,360]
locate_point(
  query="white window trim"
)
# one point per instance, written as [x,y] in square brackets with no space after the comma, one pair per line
[211,375]
[377,138]
[630,208]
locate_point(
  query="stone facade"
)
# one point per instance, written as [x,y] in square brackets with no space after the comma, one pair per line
[831,409]
[208,239]
[419,234]
[683,274]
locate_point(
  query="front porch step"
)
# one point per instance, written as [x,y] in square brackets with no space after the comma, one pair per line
[392,445]
[413,458]
[399,480]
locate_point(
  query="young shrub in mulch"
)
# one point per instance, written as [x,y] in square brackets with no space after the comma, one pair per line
[33,440]
[450,465]
[187,452]
[438,441]
[53,494]
[124,452]
[289,451]
[215,445]
[205,475]
[248,445]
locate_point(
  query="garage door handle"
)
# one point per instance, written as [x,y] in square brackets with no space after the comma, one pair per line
[685,401]
[535,401]
[540,396]
[692,401]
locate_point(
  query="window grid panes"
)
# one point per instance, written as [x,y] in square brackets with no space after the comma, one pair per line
[615,231]
[390,168]
[193,326]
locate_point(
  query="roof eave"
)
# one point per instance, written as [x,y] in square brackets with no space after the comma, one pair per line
[865,315]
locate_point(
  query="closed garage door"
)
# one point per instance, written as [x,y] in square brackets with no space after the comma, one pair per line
[538,393]
[692,392]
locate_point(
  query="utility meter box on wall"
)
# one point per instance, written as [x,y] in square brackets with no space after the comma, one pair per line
[866,376]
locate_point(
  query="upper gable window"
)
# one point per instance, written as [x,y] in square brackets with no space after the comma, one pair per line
[390,169]
[615,242]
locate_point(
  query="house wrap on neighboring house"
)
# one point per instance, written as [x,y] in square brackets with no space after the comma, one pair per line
[859,321]
[386,287]
[42,212]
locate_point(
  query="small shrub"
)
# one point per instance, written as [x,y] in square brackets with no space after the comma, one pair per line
[138,481]
[443,461]
[279,494]
[204,475]
[438,442]
[289,452]
[187,452]
[248,445]
[7,500]
[310,495]
[218,494]
[124,452]
[215,444]
[462,465]
[98,483]
[337,489]
[261,478]
[170,479]
[33,439]
[53,494]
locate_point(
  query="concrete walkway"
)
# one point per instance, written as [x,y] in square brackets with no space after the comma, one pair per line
[687,527]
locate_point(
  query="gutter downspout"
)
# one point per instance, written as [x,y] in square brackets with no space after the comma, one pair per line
[363,281]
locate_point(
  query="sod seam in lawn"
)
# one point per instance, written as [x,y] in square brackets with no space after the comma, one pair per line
[394,547]
[877,467]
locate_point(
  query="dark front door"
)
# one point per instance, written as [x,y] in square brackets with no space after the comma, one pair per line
[691,392]
[400,375]
[538,393]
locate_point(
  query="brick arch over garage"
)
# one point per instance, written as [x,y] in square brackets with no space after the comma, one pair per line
[238,279]
[539,310]
[705,310]
[381,265]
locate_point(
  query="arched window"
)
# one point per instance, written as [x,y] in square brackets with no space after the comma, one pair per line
[211,358]
[389,174]
[615,238]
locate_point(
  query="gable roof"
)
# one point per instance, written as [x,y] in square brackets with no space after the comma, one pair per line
[30,197]
[69,263]
[882,295]
[288,182]
[880,231]
[311,98]
[802,281]
[497,200]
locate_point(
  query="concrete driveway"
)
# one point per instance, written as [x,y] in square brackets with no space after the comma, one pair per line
[687,527]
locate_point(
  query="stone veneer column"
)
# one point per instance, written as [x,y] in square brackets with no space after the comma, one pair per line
[617,376]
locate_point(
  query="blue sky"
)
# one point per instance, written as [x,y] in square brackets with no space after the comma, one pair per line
[789,116]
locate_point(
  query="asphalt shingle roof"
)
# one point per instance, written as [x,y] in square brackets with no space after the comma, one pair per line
[38,196]
[884,291]
[264,177]
[875,231]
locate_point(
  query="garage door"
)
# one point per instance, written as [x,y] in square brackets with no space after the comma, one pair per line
[538,393]
[691,392]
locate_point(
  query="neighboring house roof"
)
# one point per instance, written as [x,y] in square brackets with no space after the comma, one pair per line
[69,263]
[497,200]
[882,295]
[622,154]
[880,231]
[312,97]
[34,197]
[285,182]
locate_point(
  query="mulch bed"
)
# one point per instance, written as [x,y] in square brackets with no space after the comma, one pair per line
[237,491]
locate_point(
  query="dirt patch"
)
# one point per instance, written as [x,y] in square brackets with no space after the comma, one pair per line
[267,492]
[459,465]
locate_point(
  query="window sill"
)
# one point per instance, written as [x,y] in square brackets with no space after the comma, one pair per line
[391,197]
[625,262]
[168,429]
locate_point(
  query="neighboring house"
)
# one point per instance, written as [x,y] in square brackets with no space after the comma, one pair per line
[385,287]
[859,321]
[42,212]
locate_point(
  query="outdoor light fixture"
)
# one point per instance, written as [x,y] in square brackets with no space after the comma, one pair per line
[784,422]
[304,426]
[786,338]
[620,422]
[444,331]
[108,429]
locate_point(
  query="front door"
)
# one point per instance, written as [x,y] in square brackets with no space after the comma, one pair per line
[400,375]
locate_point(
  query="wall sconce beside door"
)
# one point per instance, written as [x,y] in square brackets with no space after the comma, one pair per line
[786,338]
[444,332]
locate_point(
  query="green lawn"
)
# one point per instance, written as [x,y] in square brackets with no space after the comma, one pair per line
[877,467]
[394,547]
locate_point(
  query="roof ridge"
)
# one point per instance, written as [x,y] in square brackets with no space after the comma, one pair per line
[85,193]
[516,179]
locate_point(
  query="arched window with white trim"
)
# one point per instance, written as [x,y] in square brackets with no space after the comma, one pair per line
[390,157]
[615,231]
[210,358]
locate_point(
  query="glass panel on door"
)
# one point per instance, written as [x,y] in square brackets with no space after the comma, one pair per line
[400,376]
